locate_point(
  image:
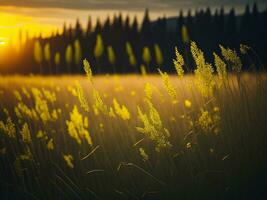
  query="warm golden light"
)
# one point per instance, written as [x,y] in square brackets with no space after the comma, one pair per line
[16,21]
[3,42]
[14,28]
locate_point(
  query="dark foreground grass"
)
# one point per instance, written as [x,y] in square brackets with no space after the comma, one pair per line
[228,165]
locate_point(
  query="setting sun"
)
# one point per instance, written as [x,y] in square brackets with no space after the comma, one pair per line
[3,42]
[14,27]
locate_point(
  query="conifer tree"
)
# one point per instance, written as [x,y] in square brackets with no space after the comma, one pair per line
[146,26]
[64,34]
[78,29]
[231,27]
[246,24]
[89,27]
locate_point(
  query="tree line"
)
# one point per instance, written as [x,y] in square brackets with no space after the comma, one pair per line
[122,45]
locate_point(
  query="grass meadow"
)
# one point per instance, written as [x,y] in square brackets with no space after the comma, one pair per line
[198,136]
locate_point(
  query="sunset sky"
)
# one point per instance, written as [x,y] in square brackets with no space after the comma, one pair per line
[47,15]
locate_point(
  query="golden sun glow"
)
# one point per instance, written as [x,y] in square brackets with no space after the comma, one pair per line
[15,28]
[2,42]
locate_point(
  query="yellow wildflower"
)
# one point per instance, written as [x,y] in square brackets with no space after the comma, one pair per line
[22,110]
[49,95]
[26,93]
[121,111]
[72,90]
[209,122]
[178,63]
[204,71]
[40,134]
[111,112]
[232,57]
[188,145]
[148,90]
[17,95]
[88,70]
[27,155]
[77,127]
[220,67]
[81,97]
[168,85]
[216,109]
[153,127]
[187,103]
[99,104]
[8,128]
[101,127]
[244,48]
[50,144]
[143,154]
[54,114]
[41,106]
[25,133]
[69,160]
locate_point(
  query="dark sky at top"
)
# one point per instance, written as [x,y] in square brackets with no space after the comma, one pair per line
[130,4]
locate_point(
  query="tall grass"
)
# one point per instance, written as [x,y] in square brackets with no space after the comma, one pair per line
[135,137]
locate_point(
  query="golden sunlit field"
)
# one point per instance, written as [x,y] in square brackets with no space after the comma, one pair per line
[132,137]
[133,100]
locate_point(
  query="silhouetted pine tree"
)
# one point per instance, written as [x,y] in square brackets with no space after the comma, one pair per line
[98,27]
[221,25]
[256,24]
[64,32]
[89,27]
[245,25]
[208,30]
[231,28]
[146,29]
[70,33]
[180,23]
[126,26]
[78,30]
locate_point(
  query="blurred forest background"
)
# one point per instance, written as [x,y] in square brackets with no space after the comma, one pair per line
[122,45]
